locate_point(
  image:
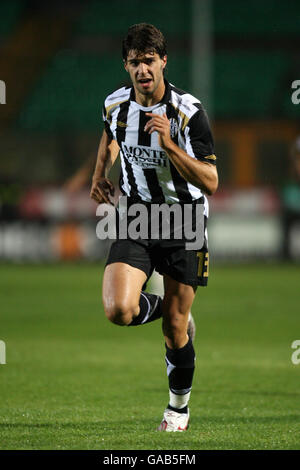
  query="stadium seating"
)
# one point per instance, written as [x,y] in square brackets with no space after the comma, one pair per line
[246,85]
[256,18]
[10,12]
[172,18]
[243,87]
[71,92]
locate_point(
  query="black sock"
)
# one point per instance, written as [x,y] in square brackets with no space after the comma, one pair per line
[150,309]
[180,368]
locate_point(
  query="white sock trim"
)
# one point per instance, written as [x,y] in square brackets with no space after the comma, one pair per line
[179,401]
[149,308]
[149,313]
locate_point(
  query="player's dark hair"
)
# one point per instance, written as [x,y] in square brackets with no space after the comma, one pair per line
[144,37]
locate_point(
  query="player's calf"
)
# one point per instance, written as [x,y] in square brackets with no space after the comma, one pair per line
[175,327]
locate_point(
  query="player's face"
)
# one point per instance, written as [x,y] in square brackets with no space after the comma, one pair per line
[145,70]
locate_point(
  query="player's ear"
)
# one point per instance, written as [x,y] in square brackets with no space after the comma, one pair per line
[164,61]
[125,65]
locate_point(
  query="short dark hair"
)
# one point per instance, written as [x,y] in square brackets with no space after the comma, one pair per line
[144,37]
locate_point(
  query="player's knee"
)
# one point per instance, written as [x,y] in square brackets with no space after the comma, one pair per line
[119,313]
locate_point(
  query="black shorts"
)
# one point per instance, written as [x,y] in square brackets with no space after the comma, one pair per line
[165,256]
[186,266]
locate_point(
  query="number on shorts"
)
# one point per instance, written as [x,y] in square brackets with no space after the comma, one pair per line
[203,263]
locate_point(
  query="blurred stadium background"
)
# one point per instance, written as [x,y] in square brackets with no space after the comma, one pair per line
[72,379]
[60,59]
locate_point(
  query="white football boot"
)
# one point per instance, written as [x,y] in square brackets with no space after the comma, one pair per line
[174,422]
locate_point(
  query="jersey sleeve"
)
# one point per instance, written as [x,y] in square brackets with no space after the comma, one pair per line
[106,123]
[199,139]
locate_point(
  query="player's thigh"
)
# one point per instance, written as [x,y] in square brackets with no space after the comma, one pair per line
[122,285]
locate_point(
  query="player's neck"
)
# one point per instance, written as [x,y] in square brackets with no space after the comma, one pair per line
[154,98]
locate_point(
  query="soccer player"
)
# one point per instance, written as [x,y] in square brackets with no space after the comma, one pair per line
[167,157]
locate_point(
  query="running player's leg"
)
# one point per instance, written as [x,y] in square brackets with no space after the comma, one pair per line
[180,354]
[122,285]
[177,304]
[123,299]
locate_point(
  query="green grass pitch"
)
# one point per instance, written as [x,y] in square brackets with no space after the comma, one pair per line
[74,381]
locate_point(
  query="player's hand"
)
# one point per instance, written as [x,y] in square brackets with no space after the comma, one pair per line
[101,189]
[160,124]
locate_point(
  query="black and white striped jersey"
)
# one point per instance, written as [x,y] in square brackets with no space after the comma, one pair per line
[147,174]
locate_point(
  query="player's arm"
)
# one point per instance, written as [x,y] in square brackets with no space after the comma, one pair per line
[201,174]
[102,187]
[81,177]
